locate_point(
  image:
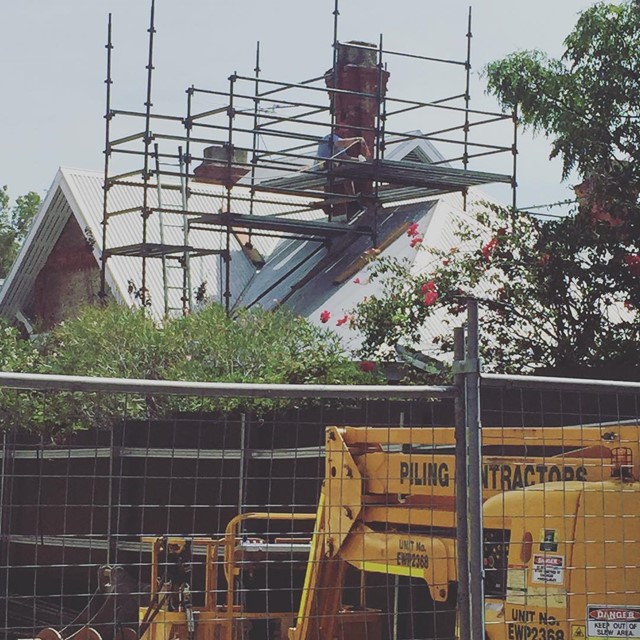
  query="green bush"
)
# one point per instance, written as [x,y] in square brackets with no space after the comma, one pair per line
[114,341]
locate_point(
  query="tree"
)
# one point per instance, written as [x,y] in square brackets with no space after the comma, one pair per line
[587,103]
[557,293]
[14,224]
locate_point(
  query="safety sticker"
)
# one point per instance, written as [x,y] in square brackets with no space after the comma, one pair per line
[547,569]
[613,622]
[549,540]
[578,632]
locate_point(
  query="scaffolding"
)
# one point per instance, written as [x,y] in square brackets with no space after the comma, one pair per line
[243,164]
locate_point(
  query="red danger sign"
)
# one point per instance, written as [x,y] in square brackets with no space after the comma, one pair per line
[614,622]
[549,561]
[614,614]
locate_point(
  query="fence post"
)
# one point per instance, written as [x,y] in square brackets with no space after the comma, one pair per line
[469,532]
[474,470]
[462,500]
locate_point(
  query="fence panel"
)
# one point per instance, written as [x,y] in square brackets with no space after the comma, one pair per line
[194,513]
[191,513]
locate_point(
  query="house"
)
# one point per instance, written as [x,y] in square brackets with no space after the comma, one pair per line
[58,267]
[240,250]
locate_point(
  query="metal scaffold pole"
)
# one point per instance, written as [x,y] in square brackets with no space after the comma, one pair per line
[467,102]
[514,151]
[107,154]
[146,212]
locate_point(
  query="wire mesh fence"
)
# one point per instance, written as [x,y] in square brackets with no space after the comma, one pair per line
[335,516]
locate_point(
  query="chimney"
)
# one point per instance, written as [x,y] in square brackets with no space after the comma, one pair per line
[216,170]
[357,70]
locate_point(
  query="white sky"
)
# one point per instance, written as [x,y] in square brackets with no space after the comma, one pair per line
[52,65]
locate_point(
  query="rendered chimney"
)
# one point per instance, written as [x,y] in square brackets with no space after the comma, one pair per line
[357,70]
[216,170]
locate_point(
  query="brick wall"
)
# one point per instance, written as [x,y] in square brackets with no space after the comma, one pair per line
[69,279]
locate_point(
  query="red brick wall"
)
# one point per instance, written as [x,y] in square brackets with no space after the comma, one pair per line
[69,279]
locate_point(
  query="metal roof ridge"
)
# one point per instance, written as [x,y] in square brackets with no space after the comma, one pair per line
[35,227]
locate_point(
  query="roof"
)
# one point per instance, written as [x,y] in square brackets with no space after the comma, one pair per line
[343,281]
[326,272]
[79,193]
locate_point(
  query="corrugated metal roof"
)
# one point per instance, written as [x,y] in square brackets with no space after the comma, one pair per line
[125,229]
[79,192]
[288,261]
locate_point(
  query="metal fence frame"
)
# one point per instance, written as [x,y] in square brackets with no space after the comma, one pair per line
[466,393]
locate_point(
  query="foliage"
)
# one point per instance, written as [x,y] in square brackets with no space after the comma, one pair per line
[554,294]
[586,101]
[16,355]
[557,293]
[114,341]
[14,224]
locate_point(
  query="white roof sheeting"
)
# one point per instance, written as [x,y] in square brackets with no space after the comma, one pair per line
[79,193]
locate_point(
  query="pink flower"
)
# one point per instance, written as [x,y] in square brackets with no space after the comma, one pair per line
[415,241]
[356,281]
[412,231]
[633,262]
[367,366]
[427,287]
[431,297]
[324,316]
[445,262]
[343,320]
[488,249]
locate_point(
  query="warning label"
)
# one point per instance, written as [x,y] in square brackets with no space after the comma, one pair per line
[547,569]
[613,622]
[549,540]
[578,632]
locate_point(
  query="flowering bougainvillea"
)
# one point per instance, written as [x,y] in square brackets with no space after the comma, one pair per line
[412,230]
[325,316]
[552,292]
[488,249]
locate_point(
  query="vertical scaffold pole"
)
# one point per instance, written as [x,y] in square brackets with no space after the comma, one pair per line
[227,257]
[107,155]
[332,107]
[256,125]
[187,288]
[148,139]
[467,102]
[514,152]
[379,142]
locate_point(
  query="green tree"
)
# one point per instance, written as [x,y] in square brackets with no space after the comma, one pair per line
[587,103]
[14,225]
[564,293]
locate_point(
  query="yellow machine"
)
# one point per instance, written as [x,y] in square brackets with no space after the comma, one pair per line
[561,520]
[172,614]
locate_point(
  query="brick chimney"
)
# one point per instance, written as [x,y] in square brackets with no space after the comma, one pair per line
[215,168]
[357,70]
